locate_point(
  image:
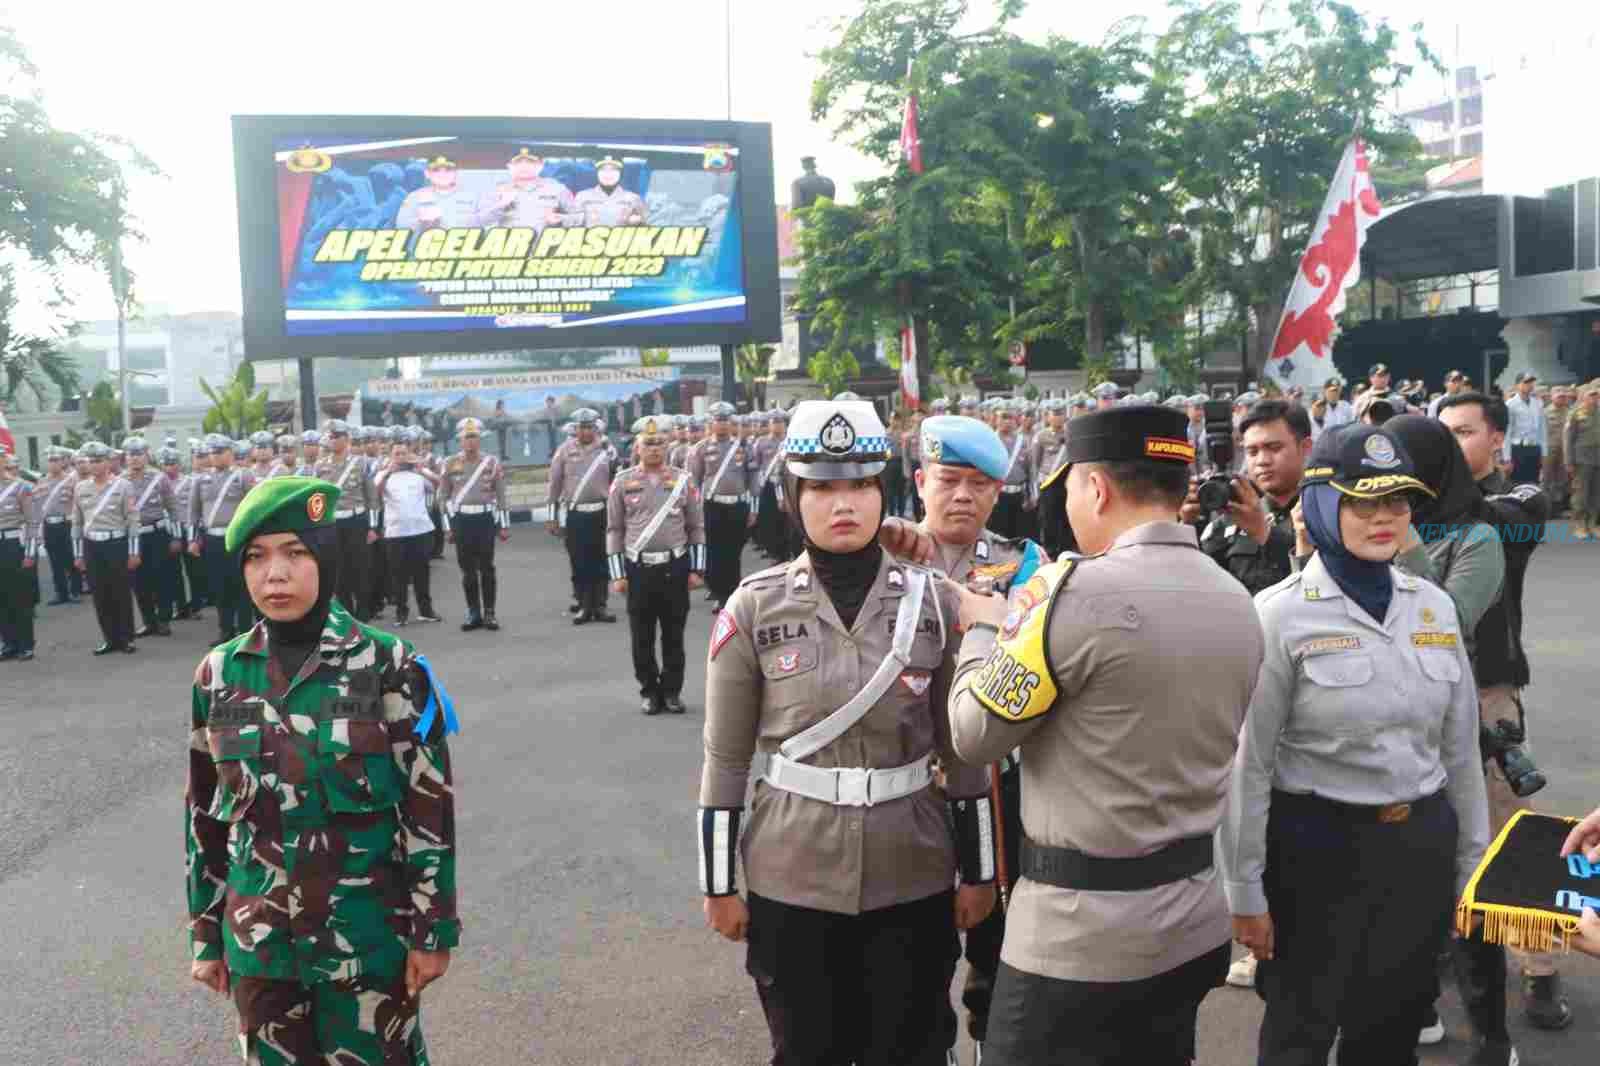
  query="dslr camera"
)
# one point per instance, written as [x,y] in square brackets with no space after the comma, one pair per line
[1216,488]
[1503,744]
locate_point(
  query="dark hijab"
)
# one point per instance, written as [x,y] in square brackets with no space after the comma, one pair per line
[847,576]
[1441,466]
[1368,583]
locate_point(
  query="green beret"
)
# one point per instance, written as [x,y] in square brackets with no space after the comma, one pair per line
[282,505]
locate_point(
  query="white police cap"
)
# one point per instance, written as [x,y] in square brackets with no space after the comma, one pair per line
[830,440]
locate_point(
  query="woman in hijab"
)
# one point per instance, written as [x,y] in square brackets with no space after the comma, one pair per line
[1452,546]
[1356,813]
[827,679]
[320,816]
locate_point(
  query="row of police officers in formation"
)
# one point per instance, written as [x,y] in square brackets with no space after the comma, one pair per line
[136,527]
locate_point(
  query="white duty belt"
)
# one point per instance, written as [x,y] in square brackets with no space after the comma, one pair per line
[855,786]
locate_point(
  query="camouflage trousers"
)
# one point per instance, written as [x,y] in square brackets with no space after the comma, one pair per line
[364,1021]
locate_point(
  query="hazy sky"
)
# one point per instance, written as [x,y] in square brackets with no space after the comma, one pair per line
[168,76]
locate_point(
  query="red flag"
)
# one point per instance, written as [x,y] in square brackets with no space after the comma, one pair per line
[908,366]
[910,141]
[1303,345]
[8,443]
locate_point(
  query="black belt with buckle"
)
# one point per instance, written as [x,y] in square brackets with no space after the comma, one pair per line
[1071,868]
[1381,814]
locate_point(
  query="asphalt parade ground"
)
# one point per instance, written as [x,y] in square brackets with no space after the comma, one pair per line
[584,941]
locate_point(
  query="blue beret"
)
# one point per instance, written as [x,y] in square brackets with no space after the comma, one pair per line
[956,440]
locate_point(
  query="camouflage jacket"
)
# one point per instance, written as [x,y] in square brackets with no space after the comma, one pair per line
[320,828]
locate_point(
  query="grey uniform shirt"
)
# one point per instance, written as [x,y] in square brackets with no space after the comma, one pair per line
[636,496]
[1357,712]
[488,490]
[767,467]
[1020,456]
[353,475]
[427,208]
[217,496]
[52,502]
[1048,450]
[160,502]
[706,460]
[567,469]
[17,512]
[789,664]
[530,205]
[596,207]
[107,508]
[1154,650]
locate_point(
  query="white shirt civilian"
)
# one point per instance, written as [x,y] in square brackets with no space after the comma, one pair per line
[1526,417]
[405,505]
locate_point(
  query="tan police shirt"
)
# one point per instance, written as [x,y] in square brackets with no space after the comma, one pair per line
[788,663]
[1154,651]
[572,461]
[488,490]
[161,503]
[636,496]
[52,499]
[353,475]
[210,513]
[706,459]
[18,505]
[117,516]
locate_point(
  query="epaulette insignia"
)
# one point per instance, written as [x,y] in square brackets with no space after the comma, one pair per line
[896,579]
[802,580]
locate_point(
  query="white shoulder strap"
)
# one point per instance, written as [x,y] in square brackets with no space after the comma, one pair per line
[583,482]
[222,494]
[11,490]
[144,497]
[660,516]
[50,500]
[471,481]
[836,724]
[1016,450]
[723,469]
[773,465]
[100,504]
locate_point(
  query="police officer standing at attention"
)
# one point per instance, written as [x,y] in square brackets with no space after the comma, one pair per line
[1011,511]
[826,680]
[580,478]
[155,511]
[173,602]
[349,472]
[194,568]
[1124,677]
[959,483]
[311,447]
[721,468]
[53,501]
[19,556]
[474,493]
[215,500]
[656,553]
[771,526]
[105,546]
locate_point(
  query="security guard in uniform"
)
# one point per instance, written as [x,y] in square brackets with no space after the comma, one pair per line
[156,515]
[350,473]
[959,484]
[1123,676]
[722,469]
[826,680]
[656,553]
[580,480]
[105,546]
[19,558]
[474,494]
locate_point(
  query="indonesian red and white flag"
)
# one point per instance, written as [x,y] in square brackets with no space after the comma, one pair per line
[908,366]
[1302,349]
[8,443]
[910,140]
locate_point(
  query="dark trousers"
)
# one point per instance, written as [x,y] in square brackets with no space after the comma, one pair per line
[234,612]
[1360,912]
[355,558]
[586,551]
[151,576]
[1043,1021]
[915,497]
[16,598]
[408,568]
[1007,517]
[107,564]
[984,939]
[379,584]
[726,529]
[1525,460]
[58,546]
[870,989]
[769,523]
[199,582]
[438,531]
[475,535]
[658,596]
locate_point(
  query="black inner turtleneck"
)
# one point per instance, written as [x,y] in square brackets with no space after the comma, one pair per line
[847,577]
[291,643]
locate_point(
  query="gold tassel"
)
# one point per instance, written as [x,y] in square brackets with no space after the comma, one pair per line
[1518,927]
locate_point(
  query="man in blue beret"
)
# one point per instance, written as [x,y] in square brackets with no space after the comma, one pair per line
[964,465]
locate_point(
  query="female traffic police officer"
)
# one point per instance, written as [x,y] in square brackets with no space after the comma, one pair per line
[320,817]
[1356,813]
[832,672]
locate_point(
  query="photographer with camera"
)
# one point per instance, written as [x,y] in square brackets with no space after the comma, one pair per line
[1246,524]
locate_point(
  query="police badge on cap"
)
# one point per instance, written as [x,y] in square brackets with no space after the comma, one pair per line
[831,440]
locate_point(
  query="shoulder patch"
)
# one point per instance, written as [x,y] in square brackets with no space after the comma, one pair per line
[1434,640]
[724,631]
[1015,683]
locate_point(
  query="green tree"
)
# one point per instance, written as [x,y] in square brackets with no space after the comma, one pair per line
[102,412]
[237,409]
[1269,115]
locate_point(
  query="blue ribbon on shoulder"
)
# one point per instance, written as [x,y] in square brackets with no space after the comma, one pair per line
[438,699]
[1032,558]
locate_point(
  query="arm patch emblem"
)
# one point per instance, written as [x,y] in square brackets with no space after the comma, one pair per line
[1015,683]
